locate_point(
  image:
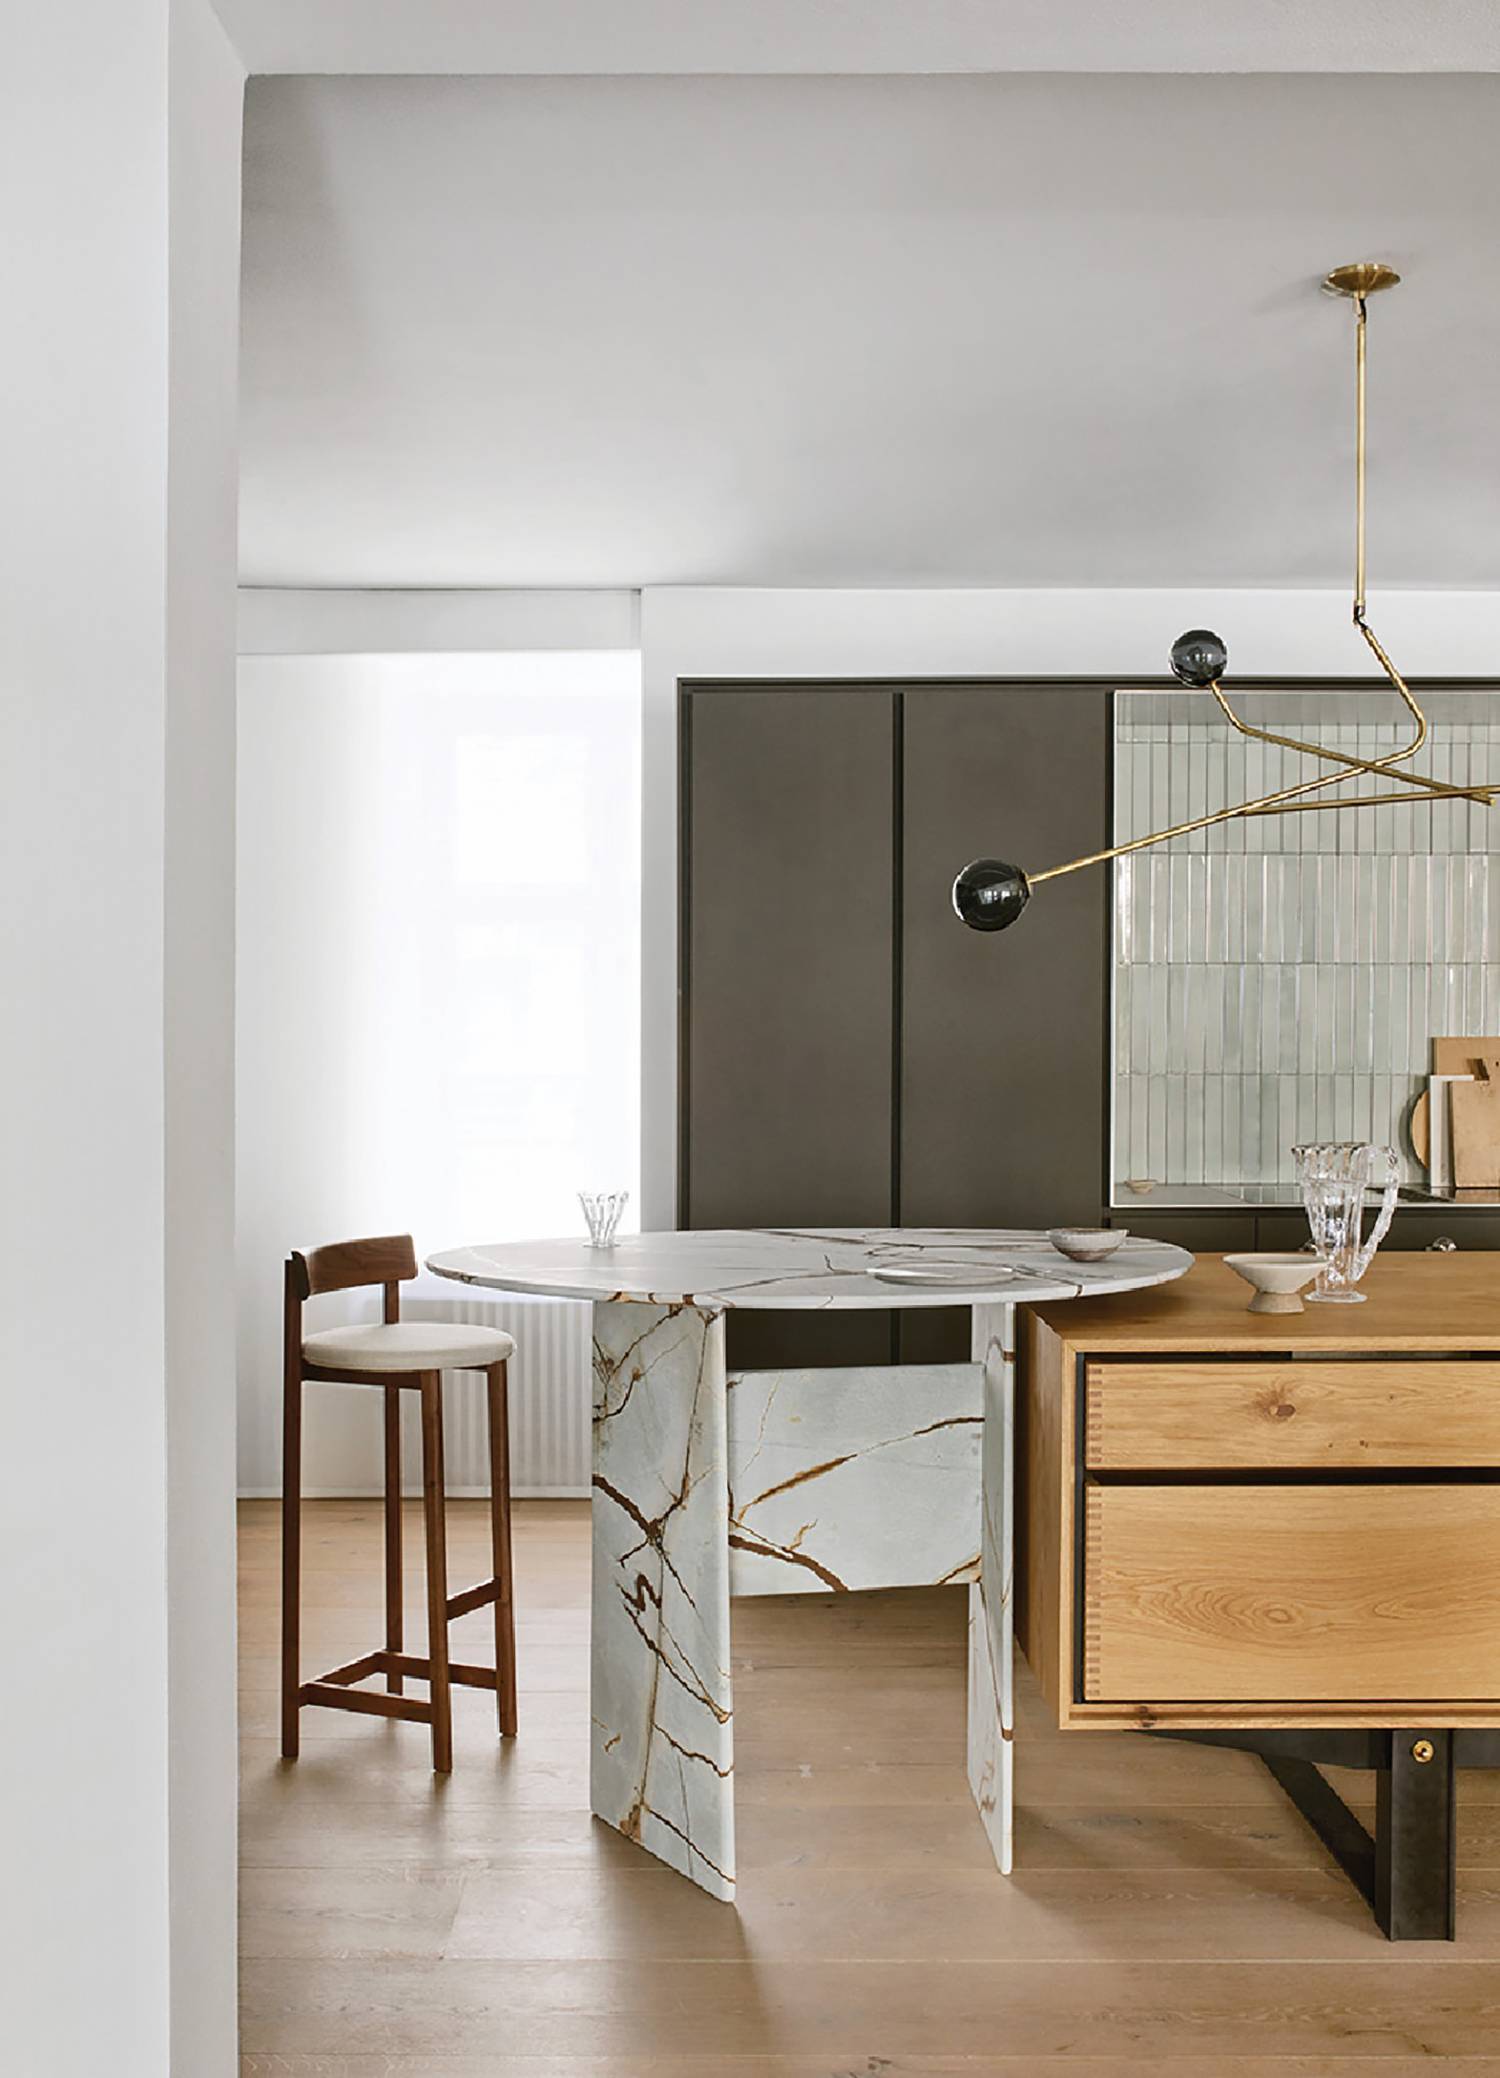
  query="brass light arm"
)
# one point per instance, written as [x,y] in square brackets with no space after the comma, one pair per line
[1483,795]
[991,887]
[1267,804]
[989,894]
[1439,793]
[1279,803]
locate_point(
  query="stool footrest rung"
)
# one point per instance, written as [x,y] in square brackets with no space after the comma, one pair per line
[335,1691]
[421,1670]
[360,1700]
[357,1670]
[473,1598]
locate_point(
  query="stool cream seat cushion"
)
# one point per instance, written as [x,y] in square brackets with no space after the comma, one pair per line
[407,1345]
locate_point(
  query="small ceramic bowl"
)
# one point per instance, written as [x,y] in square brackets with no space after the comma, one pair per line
[1086,1244]
[1276,1279]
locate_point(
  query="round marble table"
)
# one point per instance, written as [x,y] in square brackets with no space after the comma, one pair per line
[815,1268]
[708,1484]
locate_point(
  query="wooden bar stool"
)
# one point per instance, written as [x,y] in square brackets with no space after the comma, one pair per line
[397,1356]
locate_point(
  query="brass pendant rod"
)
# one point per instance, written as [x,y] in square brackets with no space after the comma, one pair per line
[1271,804]
[1265,804]
[1438,793]
[1359,459]
[1483,795]
[1360,320]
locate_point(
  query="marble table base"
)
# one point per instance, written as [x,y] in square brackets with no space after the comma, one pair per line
[776,1482]
[662,1754]
[992,1695]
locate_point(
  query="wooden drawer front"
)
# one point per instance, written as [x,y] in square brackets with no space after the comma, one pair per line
[1301,1593]
[1202,1417]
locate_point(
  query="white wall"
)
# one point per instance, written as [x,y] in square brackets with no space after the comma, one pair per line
[112,1842]
[335,622]
[698,633]
[206,105]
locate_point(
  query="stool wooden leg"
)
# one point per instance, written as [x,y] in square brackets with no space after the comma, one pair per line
[433,1488]
[291,1559]
[393,1621]
[505,1626]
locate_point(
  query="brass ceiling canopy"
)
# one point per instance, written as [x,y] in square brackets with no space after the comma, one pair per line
[1360,278]
[989,894]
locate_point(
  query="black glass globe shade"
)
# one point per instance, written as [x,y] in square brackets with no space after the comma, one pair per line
[989,895]
[1199,657]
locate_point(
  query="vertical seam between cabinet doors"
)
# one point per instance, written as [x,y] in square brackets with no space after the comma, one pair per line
[684,948]
[1111,913]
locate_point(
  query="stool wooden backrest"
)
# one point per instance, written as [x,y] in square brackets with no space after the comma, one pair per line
[389,1260]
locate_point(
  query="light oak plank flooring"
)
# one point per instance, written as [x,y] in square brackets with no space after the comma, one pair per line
[1170,1917]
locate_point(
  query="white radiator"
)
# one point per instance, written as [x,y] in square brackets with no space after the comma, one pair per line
[550,1395]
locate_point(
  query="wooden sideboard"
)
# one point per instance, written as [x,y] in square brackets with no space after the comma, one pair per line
[1280,1532]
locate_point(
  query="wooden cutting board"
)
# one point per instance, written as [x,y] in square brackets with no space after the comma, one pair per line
[1476,1126]
[1457,1056]
[1449,1057]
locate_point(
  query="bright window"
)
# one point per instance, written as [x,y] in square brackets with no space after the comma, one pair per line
[439,944]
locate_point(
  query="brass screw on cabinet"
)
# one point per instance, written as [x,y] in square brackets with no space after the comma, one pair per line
[1422,1750]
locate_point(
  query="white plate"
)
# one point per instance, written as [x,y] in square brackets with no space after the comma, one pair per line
[968,1275]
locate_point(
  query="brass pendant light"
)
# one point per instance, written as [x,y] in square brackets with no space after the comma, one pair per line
[990,894]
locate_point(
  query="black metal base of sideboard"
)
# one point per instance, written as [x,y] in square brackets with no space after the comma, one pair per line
[1407,1871]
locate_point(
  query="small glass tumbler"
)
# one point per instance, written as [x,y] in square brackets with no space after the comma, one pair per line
[601,1212]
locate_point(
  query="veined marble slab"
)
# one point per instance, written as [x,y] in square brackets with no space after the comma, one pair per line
[806,1267]
[854,1478]
[662,1747]
[992,1695]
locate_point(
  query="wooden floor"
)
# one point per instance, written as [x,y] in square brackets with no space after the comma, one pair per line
[1169,1914]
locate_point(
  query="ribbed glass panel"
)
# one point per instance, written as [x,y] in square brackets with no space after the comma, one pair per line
[1280,978]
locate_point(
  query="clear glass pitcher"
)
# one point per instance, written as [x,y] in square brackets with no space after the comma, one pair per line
[1335,1176]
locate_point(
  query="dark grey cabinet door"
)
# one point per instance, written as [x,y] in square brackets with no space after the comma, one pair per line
[1280,1233]
[1003,1116]
[788,1028]
[1412,1229]
[1204,1233]
[788,1017]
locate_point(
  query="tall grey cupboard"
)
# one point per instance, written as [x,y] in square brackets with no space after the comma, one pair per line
[850,1054]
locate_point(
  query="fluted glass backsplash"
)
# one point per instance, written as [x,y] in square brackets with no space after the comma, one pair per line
[1279,978]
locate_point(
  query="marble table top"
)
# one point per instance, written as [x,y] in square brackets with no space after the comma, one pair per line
[813,1268]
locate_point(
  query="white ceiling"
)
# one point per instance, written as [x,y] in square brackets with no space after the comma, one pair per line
[853,36]
[1026,330]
